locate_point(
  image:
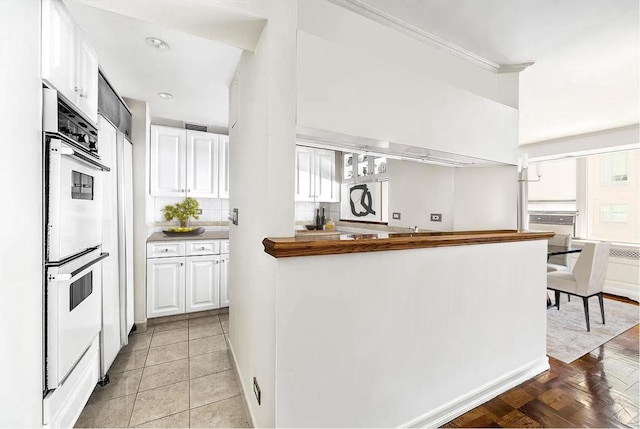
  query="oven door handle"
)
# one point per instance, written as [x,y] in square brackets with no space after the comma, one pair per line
[69,151]
[102,256]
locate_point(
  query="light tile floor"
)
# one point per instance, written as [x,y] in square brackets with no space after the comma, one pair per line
[176,374]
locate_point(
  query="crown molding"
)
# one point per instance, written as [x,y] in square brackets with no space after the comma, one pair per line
[430,39]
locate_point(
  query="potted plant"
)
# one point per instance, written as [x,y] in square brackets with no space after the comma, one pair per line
[182,212]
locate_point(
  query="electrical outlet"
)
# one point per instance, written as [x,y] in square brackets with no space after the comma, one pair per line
[436,217]
[395,216]
[199,211]
[256,390]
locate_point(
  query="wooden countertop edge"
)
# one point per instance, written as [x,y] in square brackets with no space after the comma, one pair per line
[290,247]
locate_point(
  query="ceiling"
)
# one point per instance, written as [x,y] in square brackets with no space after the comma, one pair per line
[197,71]
[586,53]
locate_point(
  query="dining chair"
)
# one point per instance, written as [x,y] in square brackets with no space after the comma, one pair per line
[559,262]
[586,279]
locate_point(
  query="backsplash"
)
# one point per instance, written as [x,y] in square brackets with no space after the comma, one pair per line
[213,209]
[306,211]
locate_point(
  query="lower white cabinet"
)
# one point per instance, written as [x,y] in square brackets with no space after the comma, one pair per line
[186,276]
[203,283]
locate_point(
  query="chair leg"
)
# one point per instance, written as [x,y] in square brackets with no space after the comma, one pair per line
[601,306]
[557,299]
[585,301]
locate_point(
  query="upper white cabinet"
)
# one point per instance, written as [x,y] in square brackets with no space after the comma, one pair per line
[316,175]
[168,167]
[69,64]
[202,163]
[188,163]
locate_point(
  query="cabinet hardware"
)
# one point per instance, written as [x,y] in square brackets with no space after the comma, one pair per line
[181,263]
[203,248]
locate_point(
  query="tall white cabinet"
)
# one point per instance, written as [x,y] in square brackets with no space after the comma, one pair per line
[188,163]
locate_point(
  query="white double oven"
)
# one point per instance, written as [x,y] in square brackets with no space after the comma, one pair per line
[73,225]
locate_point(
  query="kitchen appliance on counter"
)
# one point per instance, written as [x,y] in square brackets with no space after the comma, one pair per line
[114,120]
[73,182]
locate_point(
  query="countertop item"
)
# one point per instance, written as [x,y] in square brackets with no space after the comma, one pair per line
[310,245]
[207,235]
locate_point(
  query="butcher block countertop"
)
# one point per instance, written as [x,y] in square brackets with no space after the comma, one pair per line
[312,245]
[207,235]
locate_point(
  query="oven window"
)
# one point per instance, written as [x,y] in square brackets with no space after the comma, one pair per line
[80,290]
[81,186]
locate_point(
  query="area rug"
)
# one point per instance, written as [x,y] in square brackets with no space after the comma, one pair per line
[567,336]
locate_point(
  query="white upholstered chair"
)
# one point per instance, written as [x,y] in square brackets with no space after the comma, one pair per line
[559,262]
[586,279]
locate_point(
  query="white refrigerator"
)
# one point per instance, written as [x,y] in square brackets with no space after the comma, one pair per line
[117,239]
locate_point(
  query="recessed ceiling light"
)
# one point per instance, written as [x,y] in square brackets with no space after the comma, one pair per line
[165,95]
[156,43]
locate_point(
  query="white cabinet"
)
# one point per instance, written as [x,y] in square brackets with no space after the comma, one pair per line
[69,64]
[316,175]
[202,164]
[202,283]
[165,286]
[186,276]
[360,168]
[187,163]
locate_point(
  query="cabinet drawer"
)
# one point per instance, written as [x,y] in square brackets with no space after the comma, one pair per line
[203,247]
[224,246]
[165,249]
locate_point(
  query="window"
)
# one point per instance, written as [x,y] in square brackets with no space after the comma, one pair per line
[615,168]
[614,212]
[604,189]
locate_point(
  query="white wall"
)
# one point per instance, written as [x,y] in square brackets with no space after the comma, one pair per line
[383,339]
[141,202]
[485,198]
[21,240]
[416,190]
[261,148]
[374,40]
[354,81]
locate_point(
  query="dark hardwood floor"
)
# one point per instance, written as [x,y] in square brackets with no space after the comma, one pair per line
[601,389]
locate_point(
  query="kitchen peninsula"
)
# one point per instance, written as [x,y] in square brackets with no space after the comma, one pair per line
[396,338]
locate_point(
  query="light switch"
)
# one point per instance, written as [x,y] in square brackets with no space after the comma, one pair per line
[234,216]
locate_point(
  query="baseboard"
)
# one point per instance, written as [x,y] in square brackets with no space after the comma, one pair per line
[239,380]
[622,289]
[469,401]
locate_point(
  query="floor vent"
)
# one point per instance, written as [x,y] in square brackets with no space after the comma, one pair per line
[195,127]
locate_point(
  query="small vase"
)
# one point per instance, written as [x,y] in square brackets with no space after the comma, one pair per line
[184,224]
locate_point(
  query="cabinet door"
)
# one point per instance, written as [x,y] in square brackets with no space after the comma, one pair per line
[224,282]
[326,186]
[87,85]
[165,286]
[203,283]
[59,49]
[223,171]
[202,164]
[168,149]
[305,189]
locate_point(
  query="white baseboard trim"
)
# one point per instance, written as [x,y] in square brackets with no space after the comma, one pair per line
[622,289]
[462,404]
[239,379]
